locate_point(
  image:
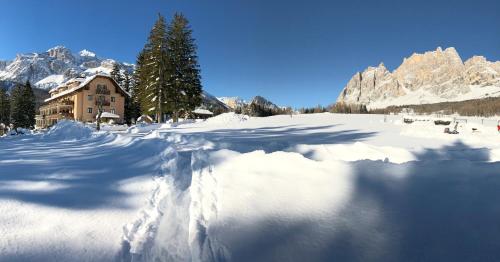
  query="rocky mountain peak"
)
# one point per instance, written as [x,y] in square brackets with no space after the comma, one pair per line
[53,67]
[438,75]
[61,53]
[263,102]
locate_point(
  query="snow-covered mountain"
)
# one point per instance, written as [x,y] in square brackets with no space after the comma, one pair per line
[264,103]
[232,102]
[50,68]
[432,77]
[57,65]
[213,104]
[236,102]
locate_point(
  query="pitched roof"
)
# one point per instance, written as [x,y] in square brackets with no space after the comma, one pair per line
[83,83]
[108,115]
[201,111]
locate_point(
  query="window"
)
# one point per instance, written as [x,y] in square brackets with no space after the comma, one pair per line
[89,110]
[102,89]
[112,111]
[112,99]
[90,97]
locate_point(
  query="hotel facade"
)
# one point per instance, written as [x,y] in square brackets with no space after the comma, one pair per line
[79,99]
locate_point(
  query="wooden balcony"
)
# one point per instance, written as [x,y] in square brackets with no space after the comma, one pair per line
[103,92]
[53,112]
[104,103]
[44,121]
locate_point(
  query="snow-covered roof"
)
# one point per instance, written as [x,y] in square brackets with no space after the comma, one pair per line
[83,82]
[202,112]
[109,115]
[144,117]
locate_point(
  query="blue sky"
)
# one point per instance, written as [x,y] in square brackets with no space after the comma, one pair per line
[298,53]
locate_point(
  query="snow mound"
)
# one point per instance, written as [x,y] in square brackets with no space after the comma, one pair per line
[227,118]
[142,128]
[355,152]
[69,130]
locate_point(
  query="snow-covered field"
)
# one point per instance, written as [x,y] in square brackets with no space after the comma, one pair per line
[321,187]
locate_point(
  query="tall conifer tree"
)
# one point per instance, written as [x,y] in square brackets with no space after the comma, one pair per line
[128,114]
[4,107]
[139,84]
[184,80]
[23,106]
[16,111]
[116,74]
[29,105]
[153,95]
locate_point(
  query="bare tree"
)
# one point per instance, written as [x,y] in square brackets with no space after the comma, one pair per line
[100,104]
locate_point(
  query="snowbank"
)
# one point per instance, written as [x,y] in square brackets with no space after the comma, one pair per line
[142,128]
[284,207]
[20,131]
[349,187]
[107,127]
[69,130]
[355,152]
[227,118]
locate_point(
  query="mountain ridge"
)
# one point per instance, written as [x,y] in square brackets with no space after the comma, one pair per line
[57,65]
[46,70]
[431,77]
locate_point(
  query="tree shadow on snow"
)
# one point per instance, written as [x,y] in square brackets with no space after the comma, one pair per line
[443,207]
[74,174]
[271,139]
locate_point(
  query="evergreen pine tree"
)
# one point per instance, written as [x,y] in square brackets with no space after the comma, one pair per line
[29,105]
[17,115]
[4,107]
[138,86]
[116,74]
[153,93]
[183,79]
[128,114]
[23,106]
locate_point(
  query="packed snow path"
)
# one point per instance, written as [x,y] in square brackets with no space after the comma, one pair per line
[304,188]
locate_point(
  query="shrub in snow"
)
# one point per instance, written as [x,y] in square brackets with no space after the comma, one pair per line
[69,130]
[20,131]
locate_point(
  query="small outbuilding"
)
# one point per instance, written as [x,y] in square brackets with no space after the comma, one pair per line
[200,113]
[108,117]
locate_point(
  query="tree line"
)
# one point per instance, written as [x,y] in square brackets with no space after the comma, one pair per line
[485,107]
[18,108]
[339,108]
[255,109]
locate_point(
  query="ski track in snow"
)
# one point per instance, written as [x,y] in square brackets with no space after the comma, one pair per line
[185,184]
[201,196]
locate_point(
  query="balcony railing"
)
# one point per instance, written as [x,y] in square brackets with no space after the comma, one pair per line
[61,115]
[65,104]
[104,103]
[103,92]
